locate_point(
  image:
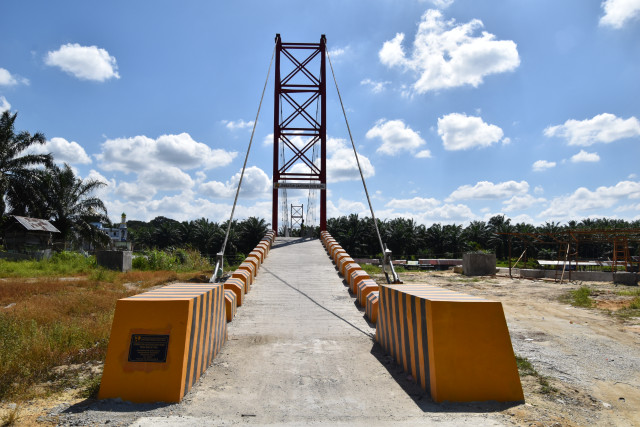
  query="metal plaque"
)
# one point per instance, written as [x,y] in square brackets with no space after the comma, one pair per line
[148,348]
[300,185]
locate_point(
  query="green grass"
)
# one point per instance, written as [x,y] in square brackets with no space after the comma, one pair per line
[60,264]
[526,368]
[629,292]
[580,297]
[371,269]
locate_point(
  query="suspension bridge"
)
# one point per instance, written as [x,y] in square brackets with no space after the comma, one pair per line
[299,329]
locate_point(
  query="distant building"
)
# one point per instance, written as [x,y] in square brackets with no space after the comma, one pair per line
[32,236]
[119,235]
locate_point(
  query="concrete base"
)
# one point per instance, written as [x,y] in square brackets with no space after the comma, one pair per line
[625,278]
[478,264]
[115,260]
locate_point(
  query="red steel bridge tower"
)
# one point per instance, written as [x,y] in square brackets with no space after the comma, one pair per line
[299,122]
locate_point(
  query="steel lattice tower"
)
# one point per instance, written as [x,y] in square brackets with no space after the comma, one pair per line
[299,121]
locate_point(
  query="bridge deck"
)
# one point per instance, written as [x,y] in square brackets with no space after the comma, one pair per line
[301,352]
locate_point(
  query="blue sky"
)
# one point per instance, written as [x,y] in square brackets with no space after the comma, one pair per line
[460,109]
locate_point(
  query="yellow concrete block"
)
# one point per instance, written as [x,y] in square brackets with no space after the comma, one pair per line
[237,286]
[365,287]
[356,276]
[245,276]
[256,263]
[371,309]
[230,304]
[457,346]
[336,251]
[162,341]
[257,255]
[343,263]
[250,267]
[348,269]
[339,255]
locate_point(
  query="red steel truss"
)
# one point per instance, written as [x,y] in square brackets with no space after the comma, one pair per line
[299,121]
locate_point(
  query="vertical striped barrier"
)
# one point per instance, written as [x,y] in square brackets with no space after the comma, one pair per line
[230,304]
[456,346]
[356,276]
[364,288]
[237,286]
[162,341]
[245,276]
[371,309]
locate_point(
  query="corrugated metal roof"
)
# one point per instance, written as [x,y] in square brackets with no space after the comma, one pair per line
[36,224]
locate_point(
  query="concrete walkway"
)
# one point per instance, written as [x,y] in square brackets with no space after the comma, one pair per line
[301,352]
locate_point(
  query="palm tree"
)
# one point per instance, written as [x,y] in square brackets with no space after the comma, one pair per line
[69,203]
[17,173]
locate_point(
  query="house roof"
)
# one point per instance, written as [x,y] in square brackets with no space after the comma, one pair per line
[36,224]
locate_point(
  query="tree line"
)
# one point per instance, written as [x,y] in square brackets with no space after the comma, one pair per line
[33,185]
[409,240]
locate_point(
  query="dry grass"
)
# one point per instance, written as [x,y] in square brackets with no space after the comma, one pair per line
[48,322]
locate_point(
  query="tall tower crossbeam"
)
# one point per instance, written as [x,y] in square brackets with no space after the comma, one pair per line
[299,121]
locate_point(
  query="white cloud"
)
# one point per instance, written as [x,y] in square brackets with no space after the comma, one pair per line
[376,87]
[619,12]
[583,156]
[4,104]
[84,62]
[135,191]
[461,132]
[238,124]
[141,153]
[255,184]
[541,165]
[538,190]
[604,128]
[522,202]
[396,137]
[583,199]
[7,79]
[414,204]
[424,154]
[268,140]
[166,178]
[447,55]
[63,151]
[341,162]
[489,190]
[441,4]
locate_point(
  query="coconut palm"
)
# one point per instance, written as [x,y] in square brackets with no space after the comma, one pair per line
[17,169]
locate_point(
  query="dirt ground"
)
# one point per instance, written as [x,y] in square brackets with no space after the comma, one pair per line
[587,359]
[589,356]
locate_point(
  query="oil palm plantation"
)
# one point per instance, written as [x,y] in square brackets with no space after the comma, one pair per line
[18,169]
[71,205]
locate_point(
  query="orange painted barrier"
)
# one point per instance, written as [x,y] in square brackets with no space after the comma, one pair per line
[248,266]
[230,304]
[348,269]
[336,251]
[256,263]
[237,286]
[245,276]
[262,251]
[162,341]
[355,277]
[264,245]
[456,346]
[364,288]
[339,255]
[257,255]
[371,309]
[342,265]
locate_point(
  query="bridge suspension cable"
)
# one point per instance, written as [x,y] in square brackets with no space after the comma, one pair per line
[386,252]
[217,273]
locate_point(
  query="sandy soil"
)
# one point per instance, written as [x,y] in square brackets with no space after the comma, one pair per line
[589,358]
